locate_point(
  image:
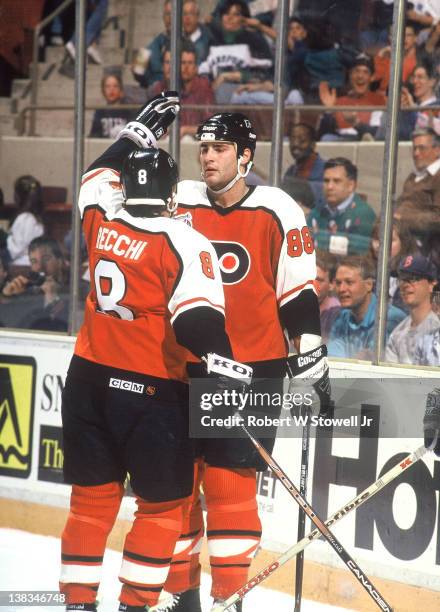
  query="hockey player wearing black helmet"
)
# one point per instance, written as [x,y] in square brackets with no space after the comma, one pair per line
[216,135]
[266,255]
[149,183]
[156,294]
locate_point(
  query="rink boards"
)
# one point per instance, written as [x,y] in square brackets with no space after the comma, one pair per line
[395,536]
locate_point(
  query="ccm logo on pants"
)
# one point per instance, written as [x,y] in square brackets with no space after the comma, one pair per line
[126,385]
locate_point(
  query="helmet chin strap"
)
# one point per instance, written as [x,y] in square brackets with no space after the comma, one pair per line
[172,205]
[236,178]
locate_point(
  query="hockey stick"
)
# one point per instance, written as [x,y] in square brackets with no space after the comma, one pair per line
[356,502]
[299,567]
[328,535]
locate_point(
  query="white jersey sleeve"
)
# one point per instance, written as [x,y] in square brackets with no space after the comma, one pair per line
[101,188]
[296,270]
[199,282]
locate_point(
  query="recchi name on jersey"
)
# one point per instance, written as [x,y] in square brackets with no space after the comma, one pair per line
[119,244]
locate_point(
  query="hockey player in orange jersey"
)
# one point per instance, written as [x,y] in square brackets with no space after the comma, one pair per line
[267,261]
[156,292]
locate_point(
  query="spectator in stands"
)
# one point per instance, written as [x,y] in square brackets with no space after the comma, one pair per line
[297,46]
[421,217]
[329,305]
[109,121]
[39,300]
[375,31]
[237,55]
[402,244]
[417,279]
[352,125]
[426,157]
[431,48]
[194,89]
[424,12]
[97,11]
[263,22]
[325,60]
[352,333]
[261,92]
[419,91]
[60,30]
[308,164]
[382,60]
[342,15]
[147,67]
[261,10]
[195,31]
[27,223]
[343,226]
[423,81]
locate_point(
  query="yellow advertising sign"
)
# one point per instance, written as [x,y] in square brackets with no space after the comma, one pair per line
[17,395]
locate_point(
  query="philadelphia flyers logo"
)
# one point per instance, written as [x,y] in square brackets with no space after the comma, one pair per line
[234,260]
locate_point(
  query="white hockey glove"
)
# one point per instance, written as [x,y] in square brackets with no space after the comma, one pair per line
[228,376]
[309,373]
[431,422]
[227,368]
[153,120]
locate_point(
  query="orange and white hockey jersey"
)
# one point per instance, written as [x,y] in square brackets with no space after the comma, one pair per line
[145,272]
[267,259]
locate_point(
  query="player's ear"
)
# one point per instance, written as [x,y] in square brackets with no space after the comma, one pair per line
[246,155]
[245,158]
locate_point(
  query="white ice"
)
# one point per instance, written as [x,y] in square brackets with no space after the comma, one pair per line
[31,562]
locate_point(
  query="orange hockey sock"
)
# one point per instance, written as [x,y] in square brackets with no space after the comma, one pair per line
[185,567]
[233,526]
[93,511]
[149,548]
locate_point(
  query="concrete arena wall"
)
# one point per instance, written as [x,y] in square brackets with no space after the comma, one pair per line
[50,160]
[403,560]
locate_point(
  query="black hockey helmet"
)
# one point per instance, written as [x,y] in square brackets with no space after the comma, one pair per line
[149,178]
[229,127]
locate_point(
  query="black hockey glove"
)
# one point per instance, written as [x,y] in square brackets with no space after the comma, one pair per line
[431,422]
[229,378]
[153,120]
[309,374]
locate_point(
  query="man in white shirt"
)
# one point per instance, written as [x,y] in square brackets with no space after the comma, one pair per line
[417,278]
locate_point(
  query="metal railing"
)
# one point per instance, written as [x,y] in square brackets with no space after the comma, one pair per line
[130,32]
[21,119]
[35,47]
[389,179]
[279,111]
